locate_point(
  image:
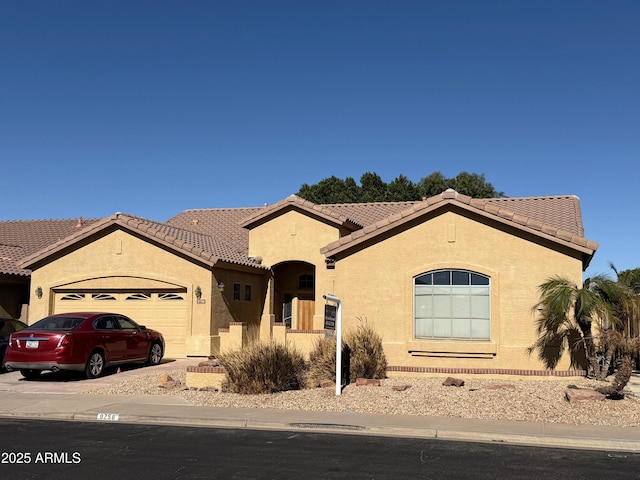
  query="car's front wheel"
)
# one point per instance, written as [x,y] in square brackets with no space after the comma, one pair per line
[155,354]
[30,374]
[95,365]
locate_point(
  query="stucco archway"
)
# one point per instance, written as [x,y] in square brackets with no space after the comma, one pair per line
[294,294]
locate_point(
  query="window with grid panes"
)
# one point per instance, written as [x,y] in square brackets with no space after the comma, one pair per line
[452,304]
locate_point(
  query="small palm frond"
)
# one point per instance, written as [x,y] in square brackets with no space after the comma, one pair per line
[558,295]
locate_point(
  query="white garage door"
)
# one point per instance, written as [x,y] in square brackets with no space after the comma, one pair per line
[165,312]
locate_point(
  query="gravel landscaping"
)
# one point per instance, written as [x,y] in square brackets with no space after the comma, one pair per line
[483,398]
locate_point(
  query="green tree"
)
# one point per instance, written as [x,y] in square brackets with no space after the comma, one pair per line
[596,317]
[621,337]
[434,184]
[475,186]
[401,189]
[566,316]
[631,278]
[373,188]
[331,190]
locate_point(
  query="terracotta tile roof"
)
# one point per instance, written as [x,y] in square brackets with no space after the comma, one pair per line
[222,234]
[219,223]
[557,218]
[20,238]
[326,212]
[364,214]
[198,245]
[562,212]
[9,257]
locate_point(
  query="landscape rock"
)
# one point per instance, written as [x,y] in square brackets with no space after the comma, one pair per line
[400,388]
[169,383]
[367,382]
[164,379]
[453,382]
[577,395]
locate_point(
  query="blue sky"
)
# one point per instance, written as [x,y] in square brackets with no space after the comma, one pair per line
[154,107]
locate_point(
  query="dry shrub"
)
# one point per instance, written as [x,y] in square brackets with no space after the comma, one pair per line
[365,353]
[362,354]
[322,361]
[264,368]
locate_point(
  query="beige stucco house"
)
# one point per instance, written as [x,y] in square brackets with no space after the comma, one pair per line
[449,282]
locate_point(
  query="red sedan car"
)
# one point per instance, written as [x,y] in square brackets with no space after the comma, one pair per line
[88,342]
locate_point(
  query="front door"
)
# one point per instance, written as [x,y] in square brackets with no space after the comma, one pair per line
[306,309]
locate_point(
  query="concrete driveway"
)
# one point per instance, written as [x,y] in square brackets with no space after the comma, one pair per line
[75,382]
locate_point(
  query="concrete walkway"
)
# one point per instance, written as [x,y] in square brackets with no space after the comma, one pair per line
[66,401]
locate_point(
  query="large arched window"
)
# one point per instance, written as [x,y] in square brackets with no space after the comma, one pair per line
[452,304]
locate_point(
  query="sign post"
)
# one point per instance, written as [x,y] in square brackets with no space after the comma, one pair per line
[336,321]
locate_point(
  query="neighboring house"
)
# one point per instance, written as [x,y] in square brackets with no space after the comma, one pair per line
[448,282]
[19,239]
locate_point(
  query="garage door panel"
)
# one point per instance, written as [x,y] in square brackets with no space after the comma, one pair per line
[165,312]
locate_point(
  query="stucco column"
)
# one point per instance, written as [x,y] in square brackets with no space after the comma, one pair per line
[268,317]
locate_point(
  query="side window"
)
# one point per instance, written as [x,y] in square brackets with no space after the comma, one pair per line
[106,323]
[236,291]
[127,324]
[247,292]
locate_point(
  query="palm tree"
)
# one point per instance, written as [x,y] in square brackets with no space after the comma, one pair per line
[566,316]
[622,338]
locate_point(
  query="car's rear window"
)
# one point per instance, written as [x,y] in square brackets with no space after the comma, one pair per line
[56,323]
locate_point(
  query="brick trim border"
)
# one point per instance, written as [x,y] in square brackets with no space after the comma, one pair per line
[317,332]
[193,369]
[490,371]
[444,370]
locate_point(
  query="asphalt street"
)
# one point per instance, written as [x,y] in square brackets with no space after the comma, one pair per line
[35,449]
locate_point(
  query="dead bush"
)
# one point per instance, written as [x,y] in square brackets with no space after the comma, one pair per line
[322,361]
[362,356]
[264,368]
[365,354]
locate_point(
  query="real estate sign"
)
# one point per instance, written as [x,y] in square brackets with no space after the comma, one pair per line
[330,317]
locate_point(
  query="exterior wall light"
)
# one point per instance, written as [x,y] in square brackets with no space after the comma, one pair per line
[198,292]
[39,291]
[221,287]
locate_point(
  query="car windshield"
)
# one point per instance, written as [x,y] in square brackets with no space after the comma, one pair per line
[56,323]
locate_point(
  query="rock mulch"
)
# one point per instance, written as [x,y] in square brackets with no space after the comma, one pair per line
[483,398]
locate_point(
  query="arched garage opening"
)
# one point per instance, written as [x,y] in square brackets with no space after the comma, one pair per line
[158,305]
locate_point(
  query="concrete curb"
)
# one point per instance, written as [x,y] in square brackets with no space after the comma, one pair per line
[441,433]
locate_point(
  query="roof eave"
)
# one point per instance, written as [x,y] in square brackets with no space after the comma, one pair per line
[125,223]
[293,202]
[579,244]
